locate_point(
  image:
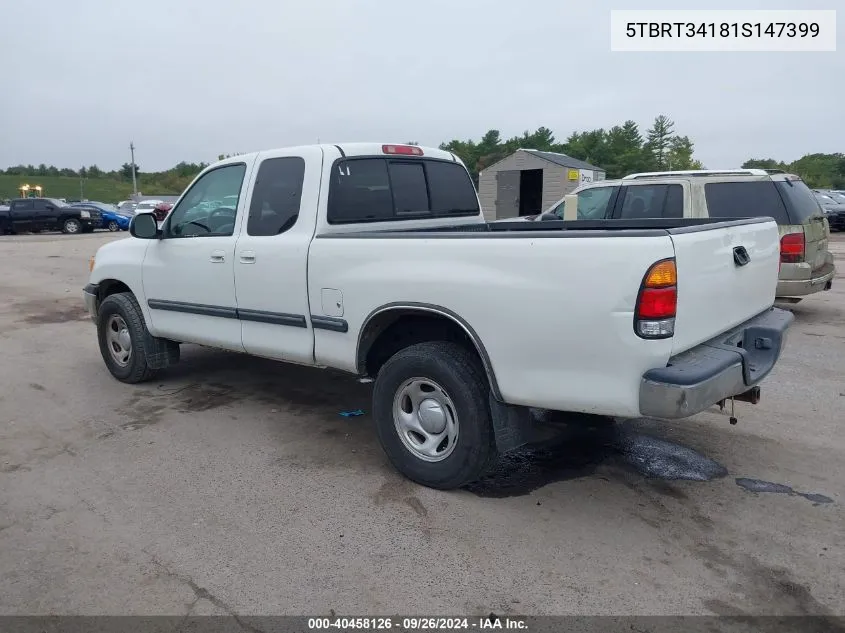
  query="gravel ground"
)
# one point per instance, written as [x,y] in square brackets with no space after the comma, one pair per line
[233,485]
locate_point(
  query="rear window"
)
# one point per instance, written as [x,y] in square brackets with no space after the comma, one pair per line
[653,201]
[754,199]
[799,199]
[379,189]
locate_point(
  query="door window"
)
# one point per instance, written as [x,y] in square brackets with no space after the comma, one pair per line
[210,205]
[276,196]
[652,201]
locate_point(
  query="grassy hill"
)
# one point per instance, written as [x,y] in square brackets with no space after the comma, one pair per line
[100,189]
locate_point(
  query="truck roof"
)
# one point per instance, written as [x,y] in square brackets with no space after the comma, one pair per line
[352,149]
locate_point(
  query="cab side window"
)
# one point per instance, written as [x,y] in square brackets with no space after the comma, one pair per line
[276,196]
[210,206]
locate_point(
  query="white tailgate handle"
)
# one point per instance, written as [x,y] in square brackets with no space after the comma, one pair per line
[247,257]
[218,257]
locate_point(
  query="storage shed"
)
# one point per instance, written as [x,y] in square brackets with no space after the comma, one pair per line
[529,181]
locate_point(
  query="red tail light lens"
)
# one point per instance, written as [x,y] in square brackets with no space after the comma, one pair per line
[657,302]
[406,150]
[792,248]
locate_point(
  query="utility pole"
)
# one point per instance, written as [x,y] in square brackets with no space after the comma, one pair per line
[81,189]
[134,182]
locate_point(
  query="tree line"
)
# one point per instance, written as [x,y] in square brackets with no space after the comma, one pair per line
[819,171]
[619,150]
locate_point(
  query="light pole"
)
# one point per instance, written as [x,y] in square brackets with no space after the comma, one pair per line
[134,182]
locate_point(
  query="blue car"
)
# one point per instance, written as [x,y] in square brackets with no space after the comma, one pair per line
[113,220]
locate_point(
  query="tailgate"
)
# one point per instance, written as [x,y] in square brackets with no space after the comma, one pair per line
[716,290]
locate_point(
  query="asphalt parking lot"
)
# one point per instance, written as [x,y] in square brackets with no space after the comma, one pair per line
[233,485]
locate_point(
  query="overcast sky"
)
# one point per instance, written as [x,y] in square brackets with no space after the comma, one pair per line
[190,79]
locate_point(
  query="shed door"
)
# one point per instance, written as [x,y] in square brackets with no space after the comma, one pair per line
[507,194]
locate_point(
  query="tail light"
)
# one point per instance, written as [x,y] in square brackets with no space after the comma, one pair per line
[657,302]
[792,248]
[407,150]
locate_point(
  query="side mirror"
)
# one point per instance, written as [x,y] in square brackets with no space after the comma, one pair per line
[570,207]
[144,227]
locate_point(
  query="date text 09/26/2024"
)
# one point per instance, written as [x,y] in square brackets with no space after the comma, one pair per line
[416,624]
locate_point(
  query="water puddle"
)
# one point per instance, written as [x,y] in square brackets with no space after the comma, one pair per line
[758,485]
[580,449]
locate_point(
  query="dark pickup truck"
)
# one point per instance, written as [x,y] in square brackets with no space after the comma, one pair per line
[47,214]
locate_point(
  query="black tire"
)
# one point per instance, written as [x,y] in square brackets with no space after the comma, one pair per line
[126,306]
[72,226]
[113,226]
[459,373]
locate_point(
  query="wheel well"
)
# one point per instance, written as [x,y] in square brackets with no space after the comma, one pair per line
[393,330]
[110,287]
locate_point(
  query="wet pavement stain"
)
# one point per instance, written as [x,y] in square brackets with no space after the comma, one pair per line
[758,485]
[579,450]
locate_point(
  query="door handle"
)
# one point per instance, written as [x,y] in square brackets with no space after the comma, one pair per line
[218,257]
[247,257]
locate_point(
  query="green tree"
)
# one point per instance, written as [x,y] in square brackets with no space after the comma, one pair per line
[679,156]
[659,138]
[94,172]
[126,171]
[763,163]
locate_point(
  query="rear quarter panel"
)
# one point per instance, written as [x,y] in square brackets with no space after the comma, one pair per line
[555,314]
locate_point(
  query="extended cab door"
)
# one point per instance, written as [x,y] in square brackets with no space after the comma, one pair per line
[188,274]
[271,259]
[21,215]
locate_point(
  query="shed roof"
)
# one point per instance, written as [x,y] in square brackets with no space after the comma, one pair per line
[562,159]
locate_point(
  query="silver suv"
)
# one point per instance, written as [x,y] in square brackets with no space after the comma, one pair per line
[806,263]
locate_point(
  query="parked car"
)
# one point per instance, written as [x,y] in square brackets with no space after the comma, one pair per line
[833,205]
[113,220]
[127,207]
[146,206]
[48,214]
[376,260]
[806,263]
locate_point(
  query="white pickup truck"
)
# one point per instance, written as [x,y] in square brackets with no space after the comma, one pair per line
[375,259]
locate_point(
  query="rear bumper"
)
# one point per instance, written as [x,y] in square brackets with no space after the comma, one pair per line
[725,366]
[90,294]
[803,287]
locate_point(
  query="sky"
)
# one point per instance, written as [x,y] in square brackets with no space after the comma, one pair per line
[189,80]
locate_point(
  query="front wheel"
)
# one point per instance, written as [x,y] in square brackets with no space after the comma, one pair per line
[72,226]
[432,415]
[122,333]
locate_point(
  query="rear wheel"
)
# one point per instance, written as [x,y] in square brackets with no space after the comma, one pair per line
[432,415]
[72,226]
[113,226]
[122,334]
